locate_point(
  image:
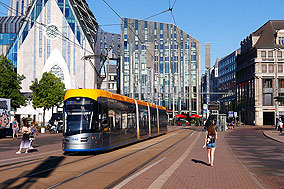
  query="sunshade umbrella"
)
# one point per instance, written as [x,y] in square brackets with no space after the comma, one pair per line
[180,116]
[195,116]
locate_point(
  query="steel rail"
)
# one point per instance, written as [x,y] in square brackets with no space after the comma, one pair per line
[123,157]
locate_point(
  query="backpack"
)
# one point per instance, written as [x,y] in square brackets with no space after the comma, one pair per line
[14,124]
[210,139]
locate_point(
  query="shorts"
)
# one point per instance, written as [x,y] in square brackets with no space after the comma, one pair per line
[15,130]
[211,145]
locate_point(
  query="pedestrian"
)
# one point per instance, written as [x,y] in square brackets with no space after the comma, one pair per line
[210,143]
[15,127]
[277,124]
[56,126]
[280,126]
[25,143]
[31,135]
[232,124]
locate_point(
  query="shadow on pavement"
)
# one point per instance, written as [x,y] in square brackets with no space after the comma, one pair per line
[33,150]
[199,161]
[28,178]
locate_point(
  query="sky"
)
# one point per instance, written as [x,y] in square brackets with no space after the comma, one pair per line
[223,23]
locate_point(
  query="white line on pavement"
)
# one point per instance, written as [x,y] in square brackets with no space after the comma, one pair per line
[161,180]
[137,174]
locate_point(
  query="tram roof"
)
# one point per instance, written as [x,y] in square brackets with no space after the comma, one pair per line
[96,93]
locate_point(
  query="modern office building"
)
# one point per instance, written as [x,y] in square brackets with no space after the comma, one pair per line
[60,36]
[260,74]
[9,26]
[19,7]
[107,51]
[56,35]
[213,83]
[110,83]
[160,63]
[227,82]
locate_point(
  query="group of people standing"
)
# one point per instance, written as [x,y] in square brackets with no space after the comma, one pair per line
[28,131]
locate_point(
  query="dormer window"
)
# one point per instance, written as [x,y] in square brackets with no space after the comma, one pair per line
[280,41]
[280,37]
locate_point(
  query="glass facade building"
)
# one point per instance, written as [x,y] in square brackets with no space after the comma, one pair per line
[9,26]
[160,64]
[56,35]
[227,82]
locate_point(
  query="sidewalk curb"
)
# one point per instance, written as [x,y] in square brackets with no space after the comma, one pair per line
[271,137]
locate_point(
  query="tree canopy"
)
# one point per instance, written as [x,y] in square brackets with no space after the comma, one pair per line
[10,83]
[48,92]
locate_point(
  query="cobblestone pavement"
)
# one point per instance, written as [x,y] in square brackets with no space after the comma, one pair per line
[186,167]
[263,157]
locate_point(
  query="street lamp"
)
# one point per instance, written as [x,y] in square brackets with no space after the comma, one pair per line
[276,50]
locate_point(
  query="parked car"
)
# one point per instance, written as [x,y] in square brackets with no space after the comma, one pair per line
[59,118]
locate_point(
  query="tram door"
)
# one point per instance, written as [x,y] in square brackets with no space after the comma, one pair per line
[105,128]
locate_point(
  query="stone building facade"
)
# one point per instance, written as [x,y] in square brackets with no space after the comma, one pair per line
[260,75]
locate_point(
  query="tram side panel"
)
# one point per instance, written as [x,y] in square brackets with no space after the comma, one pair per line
[121,123]
[103,121]
[129,131]
[154,124]
[163,121]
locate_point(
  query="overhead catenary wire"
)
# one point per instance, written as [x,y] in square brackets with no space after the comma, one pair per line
[3,13]
[42,24]
[157,14]
[129,27]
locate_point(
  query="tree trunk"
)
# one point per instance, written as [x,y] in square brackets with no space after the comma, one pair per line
[43,116]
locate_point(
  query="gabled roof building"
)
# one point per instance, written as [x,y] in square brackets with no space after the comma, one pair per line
[55,36]
[260,75]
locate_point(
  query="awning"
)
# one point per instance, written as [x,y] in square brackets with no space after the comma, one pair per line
[26,110]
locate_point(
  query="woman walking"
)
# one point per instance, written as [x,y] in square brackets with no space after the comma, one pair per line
[15,127]
[210,143]
[25,143]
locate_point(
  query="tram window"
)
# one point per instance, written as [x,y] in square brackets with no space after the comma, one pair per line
[124,120]
[103,119]
[117,120]
[131,120]
[111,116]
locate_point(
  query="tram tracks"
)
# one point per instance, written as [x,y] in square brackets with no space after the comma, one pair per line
[114,183]
[38,161]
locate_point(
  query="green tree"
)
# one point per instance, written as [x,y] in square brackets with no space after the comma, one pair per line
[48,92]
[10,83]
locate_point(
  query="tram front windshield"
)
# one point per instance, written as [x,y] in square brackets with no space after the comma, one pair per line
[79,115]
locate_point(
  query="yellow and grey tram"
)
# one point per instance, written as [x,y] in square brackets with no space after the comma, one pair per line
[96,120]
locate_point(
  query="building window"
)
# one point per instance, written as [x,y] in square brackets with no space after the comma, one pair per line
[280,68]
[270,68]
[281,83]
[280,40]
[57,71]
[279,54]
[281,103]
[263,54]
[267,99]
[264,68]
[270,54]
[267,83]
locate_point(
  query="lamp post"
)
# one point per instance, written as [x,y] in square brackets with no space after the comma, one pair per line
[276,50]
